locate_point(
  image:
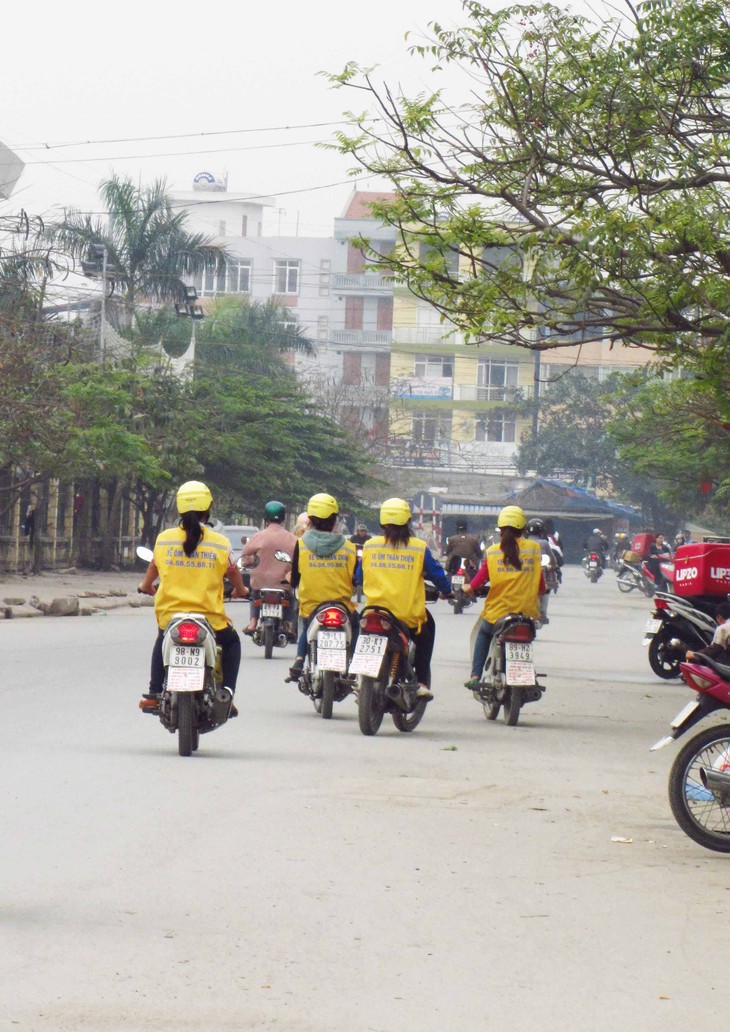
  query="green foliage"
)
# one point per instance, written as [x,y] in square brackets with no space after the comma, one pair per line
[250,336]
[598,155]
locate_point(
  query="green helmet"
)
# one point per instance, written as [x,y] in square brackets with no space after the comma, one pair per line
[274,512]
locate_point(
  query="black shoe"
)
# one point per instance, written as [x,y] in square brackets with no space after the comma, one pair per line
[295,671]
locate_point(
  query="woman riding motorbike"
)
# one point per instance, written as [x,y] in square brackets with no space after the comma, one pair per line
[191,561]
[323,568]
[512,568]
[395,566]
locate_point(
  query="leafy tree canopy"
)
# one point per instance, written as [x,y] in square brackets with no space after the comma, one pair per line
[575,188]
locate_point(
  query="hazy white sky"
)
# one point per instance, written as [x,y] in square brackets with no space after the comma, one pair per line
[80,71]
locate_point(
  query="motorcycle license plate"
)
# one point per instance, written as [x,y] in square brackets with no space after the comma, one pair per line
[592,564]
[457,582]
[332,651]
[186,669]
[369,653]
[519,668]
[682,717]
[267,609]
[652,626]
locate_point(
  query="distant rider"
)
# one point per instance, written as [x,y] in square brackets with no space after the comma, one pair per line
[462,545]
[395,566]
[597,542]
[323,568]
[269,573]
[191,561]
[537,531]
[512,569]
[659,552]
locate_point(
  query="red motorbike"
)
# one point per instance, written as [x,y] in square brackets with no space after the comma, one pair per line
[667,568]
[699,781]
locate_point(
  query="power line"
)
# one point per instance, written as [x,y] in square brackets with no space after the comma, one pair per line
[172,154]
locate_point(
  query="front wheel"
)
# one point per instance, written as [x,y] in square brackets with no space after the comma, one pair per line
[409,721]
[663,659]
[268,641]
[187,732]
[491,710]
[328,693]
[695,807]
[369,710]
[626,586]
[512,705]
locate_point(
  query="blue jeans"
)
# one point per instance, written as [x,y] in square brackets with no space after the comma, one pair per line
[481,648]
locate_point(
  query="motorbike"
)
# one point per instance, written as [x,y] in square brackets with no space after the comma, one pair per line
[699,780]
[509,679]
[675,626]
[325,678]
[461,576]
[193,700]
[630,577]
[383,662]
[592,564]
[272,605]
[667,568]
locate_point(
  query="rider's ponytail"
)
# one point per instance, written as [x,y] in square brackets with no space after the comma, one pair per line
[510,549]
[191,523]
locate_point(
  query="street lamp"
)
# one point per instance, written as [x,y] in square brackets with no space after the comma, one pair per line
[189,309]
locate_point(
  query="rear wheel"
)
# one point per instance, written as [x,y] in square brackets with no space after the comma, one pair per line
[187,731]
[663,659]
[512,705]
[409,721]
[328,693]
[626,586]
[695,808]
[268,641]
[369,711]
[594,576]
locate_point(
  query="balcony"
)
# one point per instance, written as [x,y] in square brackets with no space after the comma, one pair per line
[470,392]
[361,283]
[427,335]
[376,340]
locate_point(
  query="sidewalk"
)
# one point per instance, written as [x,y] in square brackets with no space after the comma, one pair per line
[68,593]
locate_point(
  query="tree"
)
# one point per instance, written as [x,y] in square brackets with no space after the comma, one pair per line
[576,189]
[149,249]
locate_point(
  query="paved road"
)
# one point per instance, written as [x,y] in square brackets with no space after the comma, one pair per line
[297,876]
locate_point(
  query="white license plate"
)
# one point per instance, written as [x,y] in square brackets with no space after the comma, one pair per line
[518,651]
[457,582]
[187,656]
[332,659]
[519,672]
[331,640]
[652,627]
[369,653]
[593,564]
[267,609]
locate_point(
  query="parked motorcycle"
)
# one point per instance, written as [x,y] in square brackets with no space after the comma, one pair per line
[675,626]
[699,781]
[509,679]
[667,568]
[592,564]
[325,678]
[383,662]
[193,700]
[630,577]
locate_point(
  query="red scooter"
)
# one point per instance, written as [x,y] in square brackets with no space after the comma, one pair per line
[699,781]
[667,568]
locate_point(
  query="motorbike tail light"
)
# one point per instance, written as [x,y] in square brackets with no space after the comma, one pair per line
[272,598]
[661,603]
[331,617]
[520,632]
[697,681]
[374,623]
[188,633]
[594,555]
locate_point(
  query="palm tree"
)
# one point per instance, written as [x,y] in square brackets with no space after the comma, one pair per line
[150,252]
[248,336]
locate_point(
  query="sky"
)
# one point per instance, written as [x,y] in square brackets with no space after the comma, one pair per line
[166,90]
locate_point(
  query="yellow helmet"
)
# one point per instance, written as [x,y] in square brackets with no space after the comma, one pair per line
[512,516]
[396,511]
[193,496]
[322,506]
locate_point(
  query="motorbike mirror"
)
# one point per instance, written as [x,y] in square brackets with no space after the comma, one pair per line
[282,556]
[145,553]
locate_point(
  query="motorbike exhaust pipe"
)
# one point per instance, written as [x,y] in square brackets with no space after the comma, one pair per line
[718,784]
[395,694]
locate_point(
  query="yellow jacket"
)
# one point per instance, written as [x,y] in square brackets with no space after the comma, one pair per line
[510,590]
[393,578]
[325,578]
[191,583]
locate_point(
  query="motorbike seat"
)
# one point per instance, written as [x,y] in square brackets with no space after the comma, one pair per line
[720,668]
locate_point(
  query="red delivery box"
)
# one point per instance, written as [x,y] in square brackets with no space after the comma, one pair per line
[642,543]
[702,568]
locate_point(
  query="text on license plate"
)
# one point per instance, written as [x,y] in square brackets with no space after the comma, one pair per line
[368,655]
[652,626]
[518,651]
[331,640]
[186,656]
[267,609]
[593,564]
[457,582]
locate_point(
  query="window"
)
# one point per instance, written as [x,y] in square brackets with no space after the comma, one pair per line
[286,277]
[494,378]
[235,278]
[440,366]
[496,426]
[430,426]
